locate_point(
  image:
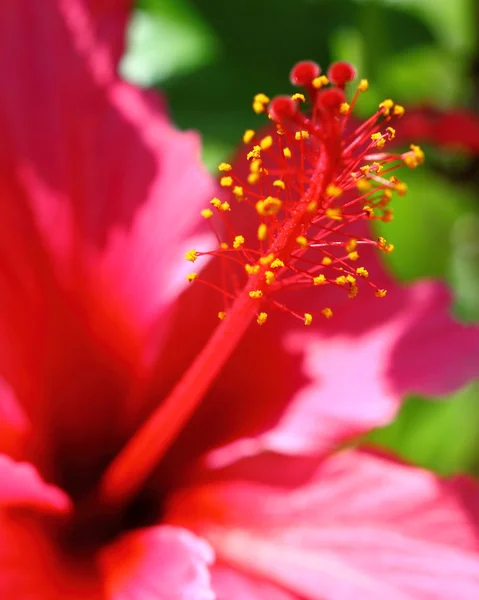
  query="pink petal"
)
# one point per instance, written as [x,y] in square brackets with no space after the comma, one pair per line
[21,485]
[360,366]
[158,563]
[357,526]
[231,584]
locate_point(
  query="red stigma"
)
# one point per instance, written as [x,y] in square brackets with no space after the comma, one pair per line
[341,73]
[283,108]
[303,73]
[331,99]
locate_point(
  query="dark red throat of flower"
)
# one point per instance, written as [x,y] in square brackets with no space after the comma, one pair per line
[302,188]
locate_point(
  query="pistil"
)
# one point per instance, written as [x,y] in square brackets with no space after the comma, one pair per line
[308,181]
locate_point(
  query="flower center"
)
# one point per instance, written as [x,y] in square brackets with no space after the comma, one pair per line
[296,201]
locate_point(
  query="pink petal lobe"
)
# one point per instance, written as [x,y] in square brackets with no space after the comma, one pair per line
[361,366]
[21,485]
[231,584]
[158,563]
[356,526]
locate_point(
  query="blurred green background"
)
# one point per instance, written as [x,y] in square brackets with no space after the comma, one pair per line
[210,57]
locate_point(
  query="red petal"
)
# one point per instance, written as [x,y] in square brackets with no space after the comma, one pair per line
[93,228]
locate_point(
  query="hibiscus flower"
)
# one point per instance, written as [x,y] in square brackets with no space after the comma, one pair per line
[102,198]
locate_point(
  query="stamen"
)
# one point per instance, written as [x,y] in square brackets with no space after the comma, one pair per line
[307,184]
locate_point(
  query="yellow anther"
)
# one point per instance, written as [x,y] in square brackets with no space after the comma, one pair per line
[351,279]
[225,206]
[207,213]
[318,82]
[366,168]
[256,294]
[401,188]
[287,152]
[279,184]
[269,277]
[418,153]
[238,241]
[363,85]
[224,246]
[253,178]
[327,312]
[319,280]
[301,135]
[216,202]
[263,98]
[351,245]
[248,135]
[362,272]
[341,280]
[377,167]
[191,255]
[255,165]
[224,167]
[262,318]
[254,153]
[226,181]
[369,211]
[384,246]
[277,263]
[312,206]
[380,293]
[386,196]
[259,103]
[326,261]
[363,186]
[266,142]
[387,217]
[262,232]
[353,292]
[333,190]
[252,269]
[392,133]
[334,213]
[268,206]
[375,137]
[299,97]
[386,106]
[353,255]
[344,108]
[191,277]
[302,241]
[399,110]
[221,315]
[308,318]
[267,260]
[238,192]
